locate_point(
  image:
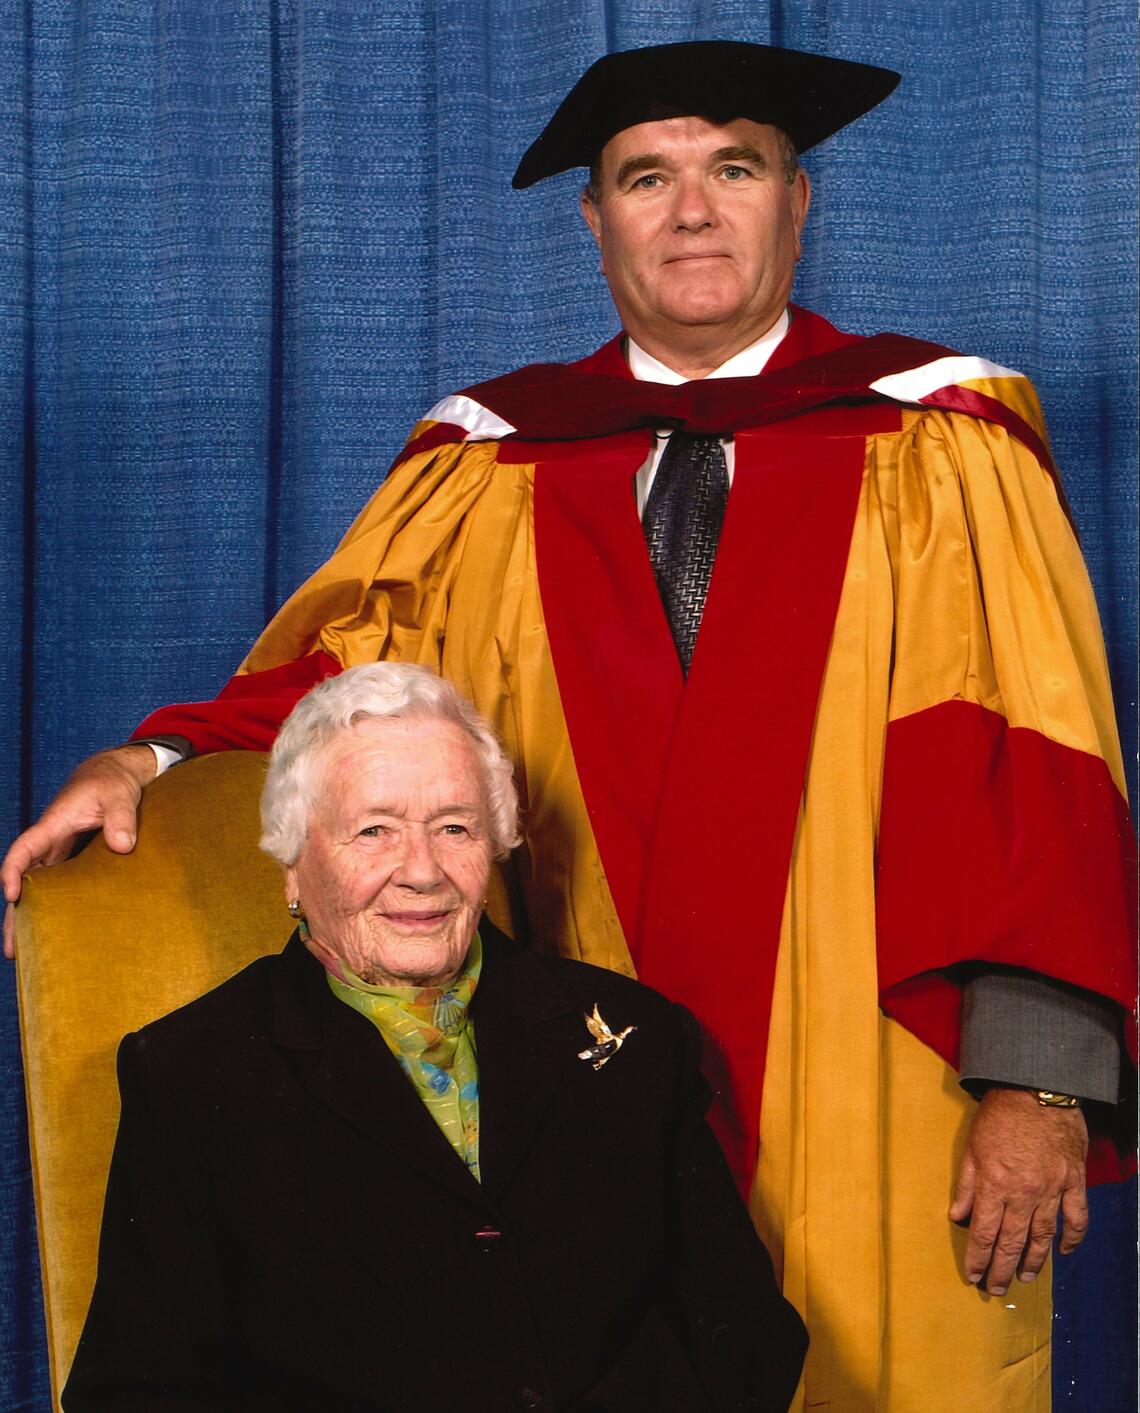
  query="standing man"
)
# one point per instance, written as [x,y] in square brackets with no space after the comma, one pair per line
[737,545]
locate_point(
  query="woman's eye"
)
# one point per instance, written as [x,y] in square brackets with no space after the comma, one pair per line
[455,831]
[373,831]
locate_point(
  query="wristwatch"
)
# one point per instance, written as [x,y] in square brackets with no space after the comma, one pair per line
[1050,1100]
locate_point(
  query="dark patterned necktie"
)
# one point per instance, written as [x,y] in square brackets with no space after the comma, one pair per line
[681,521]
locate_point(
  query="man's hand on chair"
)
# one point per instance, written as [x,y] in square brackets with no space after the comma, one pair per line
[103,792]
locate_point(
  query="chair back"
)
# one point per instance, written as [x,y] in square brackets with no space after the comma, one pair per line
[106,943]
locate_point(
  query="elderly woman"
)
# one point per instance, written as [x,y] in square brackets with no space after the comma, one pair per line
[405,1165]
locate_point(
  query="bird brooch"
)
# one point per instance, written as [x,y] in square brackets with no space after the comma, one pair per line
[606,1043]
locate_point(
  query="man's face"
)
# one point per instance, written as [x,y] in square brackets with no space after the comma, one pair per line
[699,230]
[394,869]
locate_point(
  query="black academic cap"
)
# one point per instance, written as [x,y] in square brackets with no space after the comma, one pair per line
[809,96]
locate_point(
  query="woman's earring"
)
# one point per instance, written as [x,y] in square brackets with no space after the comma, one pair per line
[296,911]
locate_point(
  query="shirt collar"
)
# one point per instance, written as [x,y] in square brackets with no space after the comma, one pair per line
[745,364]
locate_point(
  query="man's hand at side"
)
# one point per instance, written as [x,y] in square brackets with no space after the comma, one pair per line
[104,791]
[1023,1163]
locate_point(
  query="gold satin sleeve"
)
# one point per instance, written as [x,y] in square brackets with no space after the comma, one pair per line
[994,604]
[439,569]
[384,592]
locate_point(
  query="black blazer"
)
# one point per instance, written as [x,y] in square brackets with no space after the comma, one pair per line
[286,1227]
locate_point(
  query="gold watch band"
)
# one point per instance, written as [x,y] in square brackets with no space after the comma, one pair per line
[1050,1100]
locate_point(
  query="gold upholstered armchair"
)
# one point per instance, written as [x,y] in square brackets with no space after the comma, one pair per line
[106,943]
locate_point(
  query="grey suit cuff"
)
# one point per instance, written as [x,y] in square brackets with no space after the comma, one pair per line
[1029,1031]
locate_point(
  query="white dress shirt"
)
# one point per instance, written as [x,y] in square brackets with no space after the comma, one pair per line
[745,364]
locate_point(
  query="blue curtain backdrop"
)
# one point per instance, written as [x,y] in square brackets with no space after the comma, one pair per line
[243,243]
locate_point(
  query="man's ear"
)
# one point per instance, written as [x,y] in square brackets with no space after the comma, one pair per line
[590,214]
[801,202]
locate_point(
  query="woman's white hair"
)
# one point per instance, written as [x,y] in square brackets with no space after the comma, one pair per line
[398,690]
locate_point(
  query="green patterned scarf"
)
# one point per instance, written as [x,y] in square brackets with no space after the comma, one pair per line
[428,1030]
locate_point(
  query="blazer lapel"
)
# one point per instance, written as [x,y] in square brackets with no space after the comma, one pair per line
[528,1033]
[350,1070]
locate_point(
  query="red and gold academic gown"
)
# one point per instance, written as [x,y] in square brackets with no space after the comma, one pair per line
[894,753]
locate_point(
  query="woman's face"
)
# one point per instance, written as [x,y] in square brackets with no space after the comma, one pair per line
[393,872]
